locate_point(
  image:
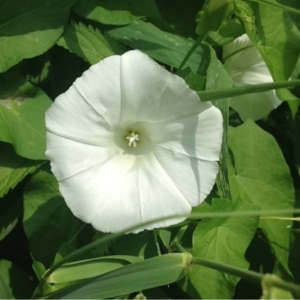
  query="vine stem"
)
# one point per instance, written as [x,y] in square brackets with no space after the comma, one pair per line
[193,48]
[194,216]
[155,234]
[76,233]
[246,274]
[209,95]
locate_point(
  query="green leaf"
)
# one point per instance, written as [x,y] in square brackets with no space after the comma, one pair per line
[215,15]
[88,268]
[179,16]
[141,244]
[4,290]
[17,282]
[87,43]
[74,272]
[279,48]
[261,176]
[167,48]
[47,220]
[13,168]
[29,28]
[39,268]
[9,218]
[22,110]
[194,81]
[227,33]
[116,12]
[153,272]
[225,241]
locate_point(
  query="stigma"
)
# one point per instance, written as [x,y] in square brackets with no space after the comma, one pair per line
[132,139]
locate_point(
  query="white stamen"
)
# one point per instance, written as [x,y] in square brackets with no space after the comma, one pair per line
[132,139]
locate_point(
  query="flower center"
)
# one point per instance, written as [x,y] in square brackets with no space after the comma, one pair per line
[132,139]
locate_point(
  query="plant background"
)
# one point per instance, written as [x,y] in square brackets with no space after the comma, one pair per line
[46,45]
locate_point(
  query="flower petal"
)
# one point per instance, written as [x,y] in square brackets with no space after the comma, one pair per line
[70,116]
[192,176]
[124,191]
[74,157]
[255,106]
[150,93]
[198,136]
[247,67]
[100,87]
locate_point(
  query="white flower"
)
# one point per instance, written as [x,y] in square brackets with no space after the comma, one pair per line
[129,142]
[245,65]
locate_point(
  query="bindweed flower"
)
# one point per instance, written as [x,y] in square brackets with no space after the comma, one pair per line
[129,142]
[245,65]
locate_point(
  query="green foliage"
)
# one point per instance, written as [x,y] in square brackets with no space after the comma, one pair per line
[13,168]
[4,290]
[223,240]
[30,28]
[259,175]
[22,109]
[88,43]
[45,211]
[156,271]
[15,281]
[116,12]
[9,217]
[167,48]
[280,48]
[215,15]
[270,291]
[74,272]
[141,245]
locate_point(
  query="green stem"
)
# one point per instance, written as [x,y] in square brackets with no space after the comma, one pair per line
[278,5]
[237,51]
[255,213]
[246,274]
[178,246]
[193,48]
[155,234]
[76,233]
[194,216]
[210,95]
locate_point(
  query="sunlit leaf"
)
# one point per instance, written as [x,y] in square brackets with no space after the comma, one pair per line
[73,272]
[88,268]
[29,28]
[153,272]
[165,47]
[223,240]
[87,43]
[261,176]
[22,110]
